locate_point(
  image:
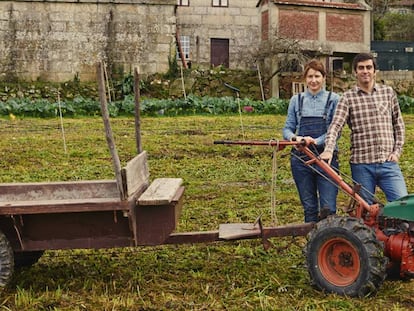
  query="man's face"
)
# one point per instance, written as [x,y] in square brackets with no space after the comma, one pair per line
[365,72]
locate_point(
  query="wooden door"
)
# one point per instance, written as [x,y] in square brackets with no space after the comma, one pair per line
[219,52]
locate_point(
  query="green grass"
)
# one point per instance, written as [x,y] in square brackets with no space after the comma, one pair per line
[224,184]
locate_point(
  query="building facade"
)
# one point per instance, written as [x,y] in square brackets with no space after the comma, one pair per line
[218,32]
[333,31]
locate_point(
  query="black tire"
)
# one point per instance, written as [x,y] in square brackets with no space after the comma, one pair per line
[343,256]
[26,259]
[6,261]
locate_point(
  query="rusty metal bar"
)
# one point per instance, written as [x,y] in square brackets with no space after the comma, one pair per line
[281,144]
[288,230]
[180,50]
[193,237]
[213,236]
[372,209]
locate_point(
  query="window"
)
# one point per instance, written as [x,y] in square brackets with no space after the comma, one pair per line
[265,25]
[298,87]
[183,2]
[185,47]
[220,3]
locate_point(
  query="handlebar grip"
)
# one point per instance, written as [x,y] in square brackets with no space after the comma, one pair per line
[302,141]
[235,89]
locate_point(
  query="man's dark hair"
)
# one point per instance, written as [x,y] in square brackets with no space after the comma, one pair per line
[363,57]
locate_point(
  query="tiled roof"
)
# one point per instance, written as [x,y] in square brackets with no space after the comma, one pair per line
[314,3]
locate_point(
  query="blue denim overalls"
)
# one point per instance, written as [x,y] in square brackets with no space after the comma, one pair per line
[315,191]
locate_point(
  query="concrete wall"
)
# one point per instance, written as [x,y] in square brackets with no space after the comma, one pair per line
[58,40]
[239,22]
[396,75]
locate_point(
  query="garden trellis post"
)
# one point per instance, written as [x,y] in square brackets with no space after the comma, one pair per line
[137,96]
[108,131]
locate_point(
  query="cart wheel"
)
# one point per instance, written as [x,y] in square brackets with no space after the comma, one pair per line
[343,256]
[26,259]
[6,260]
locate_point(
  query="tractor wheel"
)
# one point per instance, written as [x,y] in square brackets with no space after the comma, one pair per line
[343,256]
[26,259]
[6,260]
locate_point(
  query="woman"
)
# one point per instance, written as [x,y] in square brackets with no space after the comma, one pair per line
[309,116]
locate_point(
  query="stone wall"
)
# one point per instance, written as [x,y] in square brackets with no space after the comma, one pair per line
[63,39]
[403,75]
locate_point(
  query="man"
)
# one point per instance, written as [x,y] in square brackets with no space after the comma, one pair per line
[373,114]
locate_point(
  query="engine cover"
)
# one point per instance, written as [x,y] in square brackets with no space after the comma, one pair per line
[403,208]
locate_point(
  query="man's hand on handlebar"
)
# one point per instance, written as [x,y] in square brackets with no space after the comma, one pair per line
[327,156]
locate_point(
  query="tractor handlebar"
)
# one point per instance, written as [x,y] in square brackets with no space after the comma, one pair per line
[280,144]
[373,210]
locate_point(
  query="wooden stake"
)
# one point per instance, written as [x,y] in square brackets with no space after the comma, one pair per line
[108,131]
[137,95]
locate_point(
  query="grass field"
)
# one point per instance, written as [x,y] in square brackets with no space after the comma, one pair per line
[224,184]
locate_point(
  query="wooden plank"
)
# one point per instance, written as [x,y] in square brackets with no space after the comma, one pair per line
[62,206]
[135,174]
[160,192]
[238,231]
[41,191]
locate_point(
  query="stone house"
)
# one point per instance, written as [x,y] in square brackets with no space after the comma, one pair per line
[61,40]
[331,30]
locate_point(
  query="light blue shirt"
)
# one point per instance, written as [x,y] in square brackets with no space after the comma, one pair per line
[313,106]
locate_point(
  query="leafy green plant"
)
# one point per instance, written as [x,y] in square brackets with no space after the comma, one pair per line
[406,103]
[192,105]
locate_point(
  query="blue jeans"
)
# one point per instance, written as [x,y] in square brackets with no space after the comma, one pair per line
[385,175]
[315,191]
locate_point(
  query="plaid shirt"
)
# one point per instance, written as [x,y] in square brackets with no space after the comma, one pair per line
[375,120]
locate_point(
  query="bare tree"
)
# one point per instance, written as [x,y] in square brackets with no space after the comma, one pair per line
[379,7]
[287,50]
[284,53]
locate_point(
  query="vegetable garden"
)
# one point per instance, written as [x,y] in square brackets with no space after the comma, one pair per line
[191,105]
[223,185]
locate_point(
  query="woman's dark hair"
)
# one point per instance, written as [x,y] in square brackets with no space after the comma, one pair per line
[315,65]
[362,57]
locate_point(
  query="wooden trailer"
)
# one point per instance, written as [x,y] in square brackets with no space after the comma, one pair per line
[91,214]
[130,210]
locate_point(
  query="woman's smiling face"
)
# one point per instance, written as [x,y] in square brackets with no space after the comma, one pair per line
[314,81]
